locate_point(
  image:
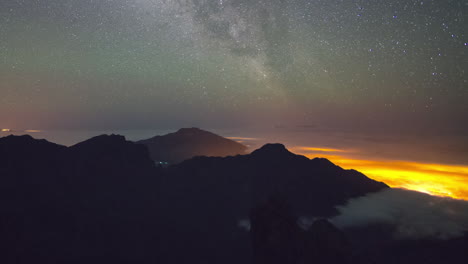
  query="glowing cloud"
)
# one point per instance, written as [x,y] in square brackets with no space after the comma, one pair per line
[322,149]
[434,179]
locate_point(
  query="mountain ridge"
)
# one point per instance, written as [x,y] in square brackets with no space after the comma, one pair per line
[105,197]
[190,142]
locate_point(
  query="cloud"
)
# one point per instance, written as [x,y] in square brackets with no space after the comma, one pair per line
[415,215]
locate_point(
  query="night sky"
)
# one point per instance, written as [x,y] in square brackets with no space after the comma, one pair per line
[392,65]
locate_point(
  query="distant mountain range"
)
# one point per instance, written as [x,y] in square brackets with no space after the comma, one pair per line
[190,142]
[104,200]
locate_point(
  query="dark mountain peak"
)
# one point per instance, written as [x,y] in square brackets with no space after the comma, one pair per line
[21,139]
[111,158]
[18,143]
[110,146]
[21,154]
[195,133]
[102,140]
[16,140]
[108,138]
[18,137]
[323,162]
[272,147]
[272,150]
[184,134]
[191,130]
[187,143]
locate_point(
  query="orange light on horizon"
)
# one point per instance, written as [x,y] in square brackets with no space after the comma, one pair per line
[435,179]
[321,149]
[242,138]
[20,131]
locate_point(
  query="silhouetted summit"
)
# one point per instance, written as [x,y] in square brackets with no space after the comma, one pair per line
[113,148]
[273,152]
[26,146]
[94,202]
[103,141]
[190,142]
[273,148]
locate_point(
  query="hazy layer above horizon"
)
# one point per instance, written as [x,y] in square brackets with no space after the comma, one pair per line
[392,66]
[398,161]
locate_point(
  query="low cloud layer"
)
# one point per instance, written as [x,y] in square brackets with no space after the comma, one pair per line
[415,215]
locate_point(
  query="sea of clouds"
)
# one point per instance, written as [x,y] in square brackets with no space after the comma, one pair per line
[415,215]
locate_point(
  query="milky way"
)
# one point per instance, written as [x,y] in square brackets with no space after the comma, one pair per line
[356,65]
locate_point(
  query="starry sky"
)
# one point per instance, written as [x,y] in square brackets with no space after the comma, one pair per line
[397,66]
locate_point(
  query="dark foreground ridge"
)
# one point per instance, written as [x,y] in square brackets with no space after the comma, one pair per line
[89,203]
[216,194]
[104,201]
[190,142]
[277,238]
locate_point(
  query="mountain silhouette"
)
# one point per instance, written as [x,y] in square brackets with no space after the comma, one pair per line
[90,203]
[190,142]
[314,186]
[104,200]
[205,199]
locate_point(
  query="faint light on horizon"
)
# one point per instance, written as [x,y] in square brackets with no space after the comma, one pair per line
[320,149]
[19,131]
[435,179]
[242,138]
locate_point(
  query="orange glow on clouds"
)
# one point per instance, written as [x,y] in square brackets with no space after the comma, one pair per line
[434,179]
[20,131]
[322,149]
[243,138]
